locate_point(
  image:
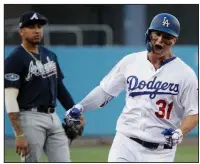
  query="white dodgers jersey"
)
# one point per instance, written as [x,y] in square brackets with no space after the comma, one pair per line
[155,99]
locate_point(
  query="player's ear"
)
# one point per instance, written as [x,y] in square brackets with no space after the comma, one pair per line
[20,32]
[174,40]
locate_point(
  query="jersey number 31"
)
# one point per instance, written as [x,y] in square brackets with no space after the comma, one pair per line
[164,109]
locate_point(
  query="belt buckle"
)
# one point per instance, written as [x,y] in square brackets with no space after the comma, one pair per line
[50,110]
[154,145]
[34,109]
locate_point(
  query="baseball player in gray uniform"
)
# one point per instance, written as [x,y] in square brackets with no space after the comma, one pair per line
[33,82]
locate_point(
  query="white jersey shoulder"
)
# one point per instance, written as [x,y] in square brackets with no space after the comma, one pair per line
[186,69]
[114,82]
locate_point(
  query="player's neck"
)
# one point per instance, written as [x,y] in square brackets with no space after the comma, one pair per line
[30,47]
[156,60]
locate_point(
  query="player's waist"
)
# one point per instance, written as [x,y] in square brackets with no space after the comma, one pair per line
[151,145]
[41,109]
[148,144]
[144,134]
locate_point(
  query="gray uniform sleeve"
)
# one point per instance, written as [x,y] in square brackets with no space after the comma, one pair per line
[95,99]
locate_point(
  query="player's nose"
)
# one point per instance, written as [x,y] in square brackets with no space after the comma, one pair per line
[37,28]
[160,38]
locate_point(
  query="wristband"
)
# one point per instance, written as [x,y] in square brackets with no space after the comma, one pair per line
[20,136]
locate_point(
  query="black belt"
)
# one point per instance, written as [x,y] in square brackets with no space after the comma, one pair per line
[149,145]
[42,109]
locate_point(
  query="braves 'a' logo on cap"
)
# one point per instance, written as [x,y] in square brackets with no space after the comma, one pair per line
[34,16]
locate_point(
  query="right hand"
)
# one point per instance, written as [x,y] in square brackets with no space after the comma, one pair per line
[21,144]
[175,135]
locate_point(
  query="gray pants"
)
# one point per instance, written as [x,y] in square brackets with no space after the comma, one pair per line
[44,132]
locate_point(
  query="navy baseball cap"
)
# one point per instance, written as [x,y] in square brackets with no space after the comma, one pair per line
[30,18]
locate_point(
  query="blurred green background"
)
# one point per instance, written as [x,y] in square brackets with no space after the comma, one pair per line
[186,152]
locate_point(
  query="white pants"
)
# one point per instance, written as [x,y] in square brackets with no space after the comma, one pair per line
[124,149]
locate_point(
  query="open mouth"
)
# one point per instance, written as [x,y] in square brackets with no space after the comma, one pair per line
[158,48]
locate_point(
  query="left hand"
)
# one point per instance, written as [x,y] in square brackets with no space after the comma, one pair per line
[176,136]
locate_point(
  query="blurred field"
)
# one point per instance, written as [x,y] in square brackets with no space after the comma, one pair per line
[185,153]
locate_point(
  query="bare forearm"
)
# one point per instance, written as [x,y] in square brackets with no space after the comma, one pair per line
[14,118]
[189,123]
[12,109]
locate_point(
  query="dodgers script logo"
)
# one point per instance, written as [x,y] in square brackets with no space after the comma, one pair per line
[151,88]
[45,70]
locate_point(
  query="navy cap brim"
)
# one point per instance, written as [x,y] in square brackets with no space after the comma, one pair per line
[32,22]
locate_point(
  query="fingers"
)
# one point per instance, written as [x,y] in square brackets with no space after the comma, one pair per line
[18,150]
[22,151]
[25,151]
[82,120]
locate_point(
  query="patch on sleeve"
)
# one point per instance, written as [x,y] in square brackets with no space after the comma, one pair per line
[12,76]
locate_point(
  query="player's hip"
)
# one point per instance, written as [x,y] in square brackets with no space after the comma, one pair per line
[36,120]
[129,150]
[144,145]
[135,131]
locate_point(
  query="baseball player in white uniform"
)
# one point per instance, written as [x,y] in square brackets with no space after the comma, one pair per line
[161,98]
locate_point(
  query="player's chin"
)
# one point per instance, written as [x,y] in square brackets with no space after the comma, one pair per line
[36,42]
